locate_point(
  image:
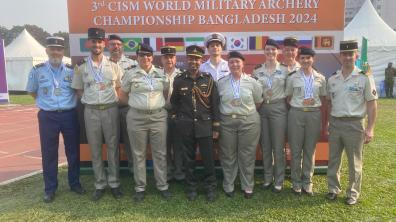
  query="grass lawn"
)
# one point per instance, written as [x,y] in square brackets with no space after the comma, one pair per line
[21,99]
[21,201]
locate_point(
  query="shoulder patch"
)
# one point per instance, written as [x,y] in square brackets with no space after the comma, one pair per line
[283,64]
[292,73]
[82,61]
[258,66]
[69,66]
[131,67]
[39,65]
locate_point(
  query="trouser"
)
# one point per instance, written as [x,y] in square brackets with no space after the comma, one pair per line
[205,144]
[124,136]
[174,152]
[143,128]
[389,88]
[51,123]
[346,134]
[99,123]
[239,136]
[303,134]
[272,141]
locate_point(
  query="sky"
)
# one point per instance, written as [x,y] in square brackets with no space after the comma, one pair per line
[51,15]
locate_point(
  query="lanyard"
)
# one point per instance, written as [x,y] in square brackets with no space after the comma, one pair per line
[98,75]
[236,87]
[308,85]
[54,74]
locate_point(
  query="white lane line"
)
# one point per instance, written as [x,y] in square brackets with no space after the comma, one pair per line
[3,152]
[17,154]
[26,175]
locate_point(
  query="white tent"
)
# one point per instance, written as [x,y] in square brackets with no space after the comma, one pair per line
[21,55]
[381,39]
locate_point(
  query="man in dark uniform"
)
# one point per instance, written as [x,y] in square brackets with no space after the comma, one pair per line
[195,107]
[49,84]
[390,73]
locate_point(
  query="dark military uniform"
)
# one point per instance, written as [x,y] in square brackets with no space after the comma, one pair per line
[195,108]
[390,73]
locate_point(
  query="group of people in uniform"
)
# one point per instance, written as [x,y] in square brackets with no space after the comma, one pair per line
[390,74]
[179,111]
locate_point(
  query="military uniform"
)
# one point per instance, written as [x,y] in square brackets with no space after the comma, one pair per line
[390,74]
[125,63]
[304,124]
[195,107]
[239,129]
[57,102]
[221,69]
[146,120]
[348,98]
[273,112]
[101,113]
[291,42]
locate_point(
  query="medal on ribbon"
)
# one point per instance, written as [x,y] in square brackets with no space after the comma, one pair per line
[308,90]
[55,75]
[236,85]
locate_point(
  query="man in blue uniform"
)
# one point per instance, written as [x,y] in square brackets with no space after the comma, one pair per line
[49,83]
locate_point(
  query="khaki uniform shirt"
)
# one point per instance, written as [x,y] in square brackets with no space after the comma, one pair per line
[250,94]
[278,79]
[145,90]
[96,93]
[295,88]
[348,96]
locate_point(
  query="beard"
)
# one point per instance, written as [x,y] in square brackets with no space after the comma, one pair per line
[55,61]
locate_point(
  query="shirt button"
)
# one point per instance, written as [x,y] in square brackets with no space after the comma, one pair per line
[195,120]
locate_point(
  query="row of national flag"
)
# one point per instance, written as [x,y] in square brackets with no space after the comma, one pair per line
[239,43]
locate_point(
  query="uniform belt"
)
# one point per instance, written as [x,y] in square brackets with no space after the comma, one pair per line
[348,118]
[273,101]
[148,112]
[101,106]
[235,116]
[59,110]
[306,109]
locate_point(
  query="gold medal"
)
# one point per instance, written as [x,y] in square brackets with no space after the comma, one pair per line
[308,102]
[236,102]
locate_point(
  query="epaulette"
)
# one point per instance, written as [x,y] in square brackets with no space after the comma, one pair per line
[258,66]
[158,67]
[313,67]
[334,73]
[69,66]
[292,73]
[131,67]
[39,65]
[282,64]
[82,61]
[222,78]
[254,77]
[206,74]
[182,70]
[179,74]
[364,73]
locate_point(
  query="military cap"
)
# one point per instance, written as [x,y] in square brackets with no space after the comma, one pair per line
[215,37]
[194,50]
[115,37]
[144,49]
[349,45]
[306,51]
[55,41]
[168,50]
[272,42]
[96,33]
[290,41]
[235,54]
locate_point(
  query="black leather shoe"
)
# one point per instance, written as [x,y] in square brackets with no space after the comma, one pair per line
[296,192]
[116,192]
[247,195]
[350,201]
[276,190]
[78,190]
[165,194]
[266,186]
[49,197]
[192,195]
[139,196]
[309,193]
[211,196]
[331,196]
[230,194]
[97,194]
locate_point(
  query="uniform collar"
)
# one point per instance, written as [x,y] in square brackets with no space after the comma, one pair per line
[222,61]
[151,71]
[356,71]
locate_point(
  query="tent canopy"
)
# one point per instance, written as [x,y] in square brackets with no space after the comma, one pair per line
[25,46]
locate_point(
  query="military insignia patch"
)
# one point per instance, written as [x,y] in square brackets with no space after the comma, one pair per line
[374,92]
[45,91]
